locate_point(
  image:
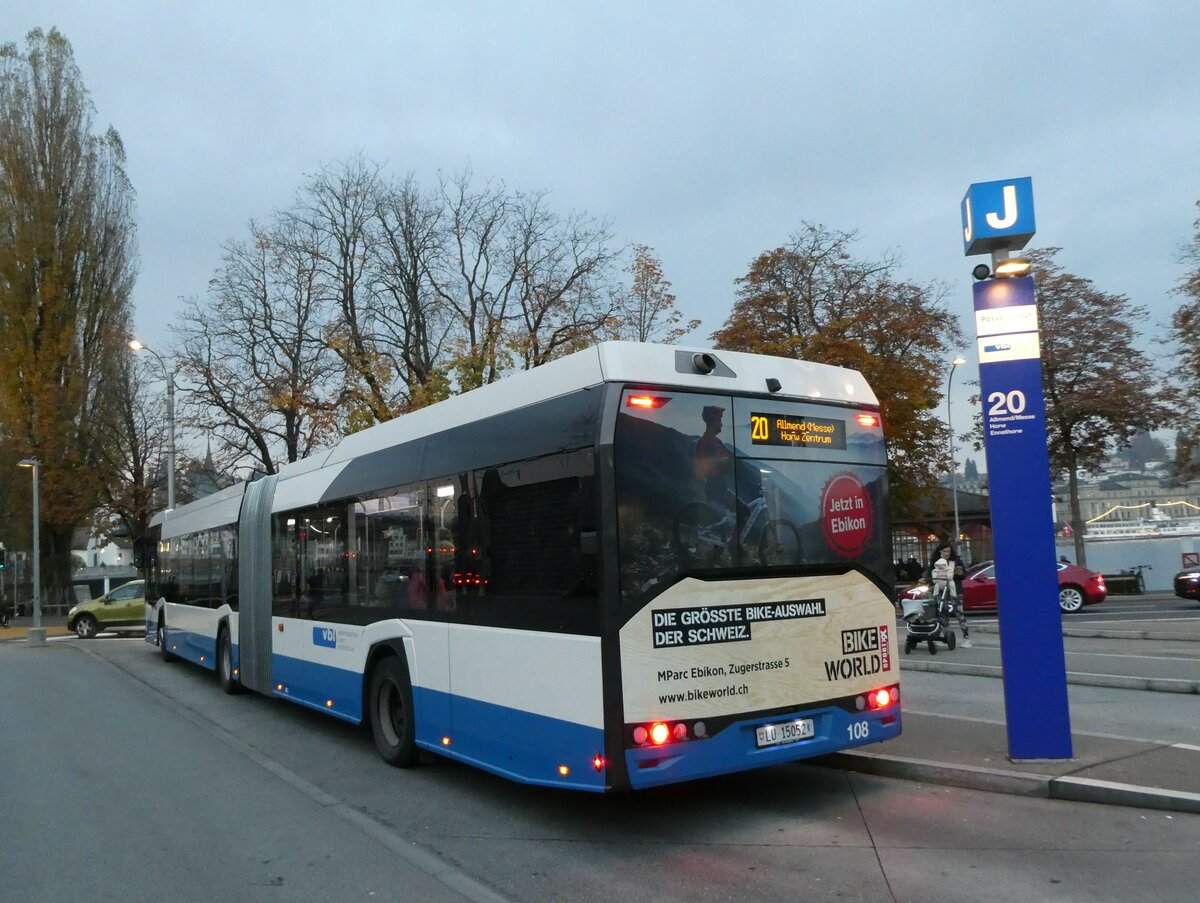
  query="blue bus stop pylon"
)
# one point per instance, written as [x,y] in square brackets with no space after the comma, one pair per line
[1014,419]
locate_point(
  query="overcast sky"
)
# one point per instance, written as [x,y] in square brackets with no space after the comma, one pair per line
[707,132]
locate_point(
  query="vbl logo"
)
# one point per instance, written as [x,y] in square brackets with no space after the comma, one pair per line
[325,636]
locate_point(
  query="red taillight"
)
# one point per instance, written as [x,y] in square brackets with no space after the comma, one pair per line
[657,733]
[646,402]
[865,419]
[879,699]
[598,763]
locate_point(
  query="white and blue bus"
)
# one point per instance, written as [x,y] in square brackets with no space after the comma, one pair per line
[632,566]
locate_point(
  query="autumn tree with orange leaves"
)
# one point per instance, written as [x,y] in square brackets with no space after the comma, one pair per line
[1101,389]
[811,299]
[646,311]
[67,264]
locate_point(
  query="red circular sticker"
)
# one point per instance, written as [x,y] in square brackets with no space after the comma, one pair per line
[846,514]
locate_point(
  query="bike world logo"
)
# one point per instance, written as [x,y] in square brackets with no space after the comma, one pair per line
[865,651]
[846,514]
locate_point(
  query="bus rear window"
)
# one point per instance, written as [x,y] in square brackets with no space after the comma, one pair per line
[707,483]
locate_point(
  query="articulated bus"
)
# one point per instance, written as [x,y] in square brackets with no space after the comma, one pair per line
[632,566]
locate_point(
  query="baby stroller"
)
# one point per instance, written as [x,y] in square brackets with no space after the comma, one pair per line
[927,621]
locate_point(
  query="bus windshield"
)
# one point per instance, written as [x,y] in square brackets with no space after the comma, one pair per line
[709,483]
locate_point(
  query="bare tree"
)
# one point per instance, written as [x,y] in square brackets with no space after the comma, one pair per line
[411,321]
[560,267]
[334,221]
[133,461]
[264,381]
[473,279]
[67,249]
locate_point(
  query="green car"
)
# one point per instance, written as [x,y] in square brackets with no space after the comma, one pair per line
[120,609]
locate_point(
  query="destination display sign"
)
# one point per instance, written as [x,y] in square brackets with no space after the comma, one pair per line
[797,431]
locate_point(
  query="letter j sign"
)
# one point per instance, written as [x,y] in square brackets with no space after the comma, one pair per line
[997,216]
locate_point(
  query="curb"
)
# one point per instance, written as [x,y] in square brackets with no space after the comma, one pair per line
[1082,678]
[20,634]
[1096,633]
[1086,790]
[998,780]
[1084,633]
[968,777]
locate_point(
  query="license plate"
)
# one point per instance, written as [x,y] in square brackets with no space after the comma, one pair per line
[784,732]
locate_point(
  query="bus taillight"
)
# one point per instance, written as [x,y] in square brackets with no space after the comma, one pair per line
[658,733]
[865,419]
[880,698]
[646,402]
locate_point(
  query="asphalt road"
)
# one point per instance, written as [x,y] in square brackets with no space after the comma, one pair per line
[132,779]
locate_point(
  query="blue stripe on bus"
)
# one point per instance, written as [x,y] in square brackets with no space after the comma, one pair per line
[515,744]
[734,749]
[335,691]
[193,647]
[531,748]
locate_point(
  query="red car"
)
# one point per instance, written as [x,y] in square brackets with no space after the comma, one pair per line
[1077,587]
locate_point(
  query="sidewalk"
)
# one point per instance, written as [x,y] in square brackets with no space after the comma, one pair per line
[55,625]
[972,755]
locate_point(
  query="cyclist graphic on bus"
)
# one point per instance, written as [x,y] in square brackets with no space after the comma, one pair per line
[713,465]
[707,532]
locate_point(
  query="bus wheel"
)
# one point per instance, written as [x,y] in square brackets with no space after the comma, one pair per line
[160,637]
[229,683]
[391,709]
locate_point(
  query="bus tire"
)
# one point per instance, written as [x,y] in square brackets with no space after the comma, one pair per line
[390,705]
[160,637]
[229,683]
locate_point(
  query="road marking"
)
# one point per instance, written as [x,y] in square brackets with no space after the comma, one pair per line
[1075,733]
[1131,620]
[1162,658]
[412,851]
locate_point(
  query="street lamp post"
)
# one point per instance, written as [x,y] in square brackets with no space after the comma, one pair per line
[169,376]
[37,547]
[954,365]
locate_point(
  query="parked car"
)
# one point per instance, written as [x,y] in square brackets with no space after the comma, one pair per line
[1187,584]
[122,608]
[1077,587]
